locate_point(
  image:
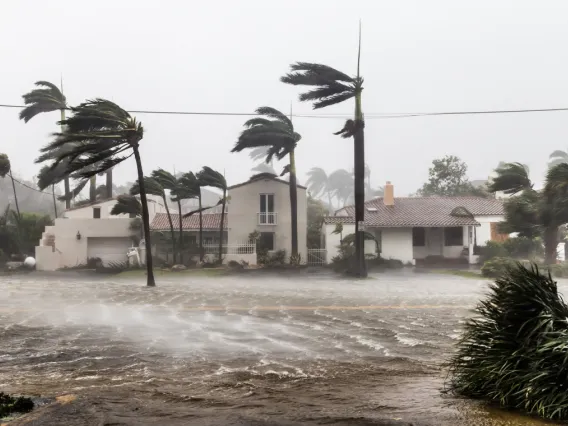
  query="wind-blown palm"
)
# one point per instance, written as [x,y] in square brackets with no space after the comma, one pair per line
[214,179]
[153,187]
[6,169]
[332,87]
[188,186]
[127,204]
[99,135]
[511,179]
[275,132]
[558,157]
[341,185]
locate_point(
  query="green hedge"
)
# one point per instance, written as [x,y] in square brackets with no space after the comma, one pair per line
[514,353]
[496,267]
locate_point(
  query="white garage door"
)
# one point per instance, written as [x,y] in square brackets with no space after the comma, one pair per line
[108,249]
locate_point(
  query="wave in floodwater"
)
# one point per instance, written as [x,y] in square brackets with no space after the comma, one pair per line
[305,349]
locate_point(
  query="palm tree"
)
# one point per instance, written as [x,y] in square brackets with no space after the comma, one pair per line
[558,157]
[275,133]
[127,204]
[48,98]
[189,186]
[318,183]
[6,169]
[212,178]
[99,134]
[153,187]
[341,186]
[333,87]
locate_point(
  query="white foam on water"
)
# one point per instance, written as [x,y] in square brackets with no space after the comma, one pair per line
[408,341]
[369,343]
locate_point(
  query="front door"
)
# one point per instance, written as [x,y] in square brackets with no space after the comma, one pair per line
[435,241]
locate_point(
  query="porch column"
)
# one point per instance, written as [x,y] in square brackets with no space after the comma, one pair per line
[470,244]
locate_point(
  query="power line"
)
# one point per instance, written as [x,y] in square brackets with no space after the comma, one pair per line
[340,116]
[32,188]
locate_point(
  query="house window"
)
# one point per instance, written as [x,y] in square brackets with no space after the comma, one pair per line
[96,212]
[418,237]
[453,236]
[266,240]
[267,215]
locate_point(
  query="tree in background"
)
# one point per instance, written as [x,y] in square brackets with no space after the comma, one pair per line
[43,174]
[448,177]
[214,179]
[275,133]
[259,154]
[99,135]
[558,157]
[31,228]
[6,169]
[153,187]
[316,213]
[332,87]
[9,241]
[531,212]
[130,205]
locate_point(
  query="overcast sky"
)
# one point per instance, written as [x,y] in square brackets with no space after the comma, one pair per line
[227,56]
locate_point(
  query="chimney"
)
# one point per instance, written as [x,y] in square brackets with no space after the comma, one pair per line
[388,198]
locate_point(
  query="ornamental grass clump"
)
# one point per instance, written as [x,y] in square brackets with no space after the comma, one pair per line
[515,352]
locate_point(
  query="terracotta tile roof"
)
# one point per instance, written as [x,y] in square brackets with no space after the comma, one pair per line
[422,211]
[210,221]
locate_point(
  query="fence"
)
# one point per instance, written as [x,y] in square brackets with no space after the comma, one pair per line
[245,248]
[317,257]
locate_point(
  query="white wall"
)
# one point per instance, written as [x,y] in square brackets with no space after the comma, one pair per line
[244,206]
[71,251]
[155,205]
[332,241]
[483,232]
[396,243]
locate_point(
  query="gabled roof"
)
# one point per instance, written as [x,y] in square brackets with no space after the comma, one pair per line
[423,212]
[263,176]
[210,221]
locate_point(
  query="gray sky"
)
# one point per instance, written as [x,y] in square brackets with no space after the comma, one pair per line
[418,56]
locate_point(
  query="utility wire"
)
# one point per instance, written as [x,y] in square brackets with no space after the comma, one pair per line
[32,188]
[367,115]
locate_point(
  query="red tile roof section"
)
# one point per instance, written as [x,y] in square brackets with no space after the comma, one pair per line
[422,212]
[210,221]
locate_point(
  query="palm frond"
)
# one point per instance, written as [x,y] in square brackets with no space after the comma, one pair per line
[151,185]
[285,170]
[317,180]
[202,209]
[563,155]
[48,98]
[165,178]
[305,73]
[512,178]
[75,191]
[332,100]
[187,186]
[276,115]
[4,165]
[127,204]
[209,177]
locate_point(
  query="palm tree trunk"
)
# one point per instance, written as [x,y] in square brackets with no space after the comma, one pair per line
[109,184]
[201,254]
[66,184]
[180,233]
[15,195]
[329,199]
[550,244]
[222,226]
[293,206]
[151,282]
[360,267]
[93,189]
[54,201]
[174,254]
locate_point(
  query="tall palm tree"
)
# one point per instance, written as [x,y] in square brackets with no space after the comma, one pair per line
[153,187]
[214,179]
[48,98]
[318,183]
[100,135]
[275,132]
[6,169]
[333,87]
[341,186]
[558,157]
[42,176]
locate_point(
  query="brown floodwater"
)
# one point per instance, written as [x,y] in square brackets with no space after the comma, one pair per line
[287,350]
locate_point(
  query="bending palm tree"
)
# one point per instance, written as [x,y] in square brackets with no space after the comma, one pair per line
[98,135]
[189,186]
[153,187]
[6,169]
[333,87]
[280,139]
[318,182]
[212,178]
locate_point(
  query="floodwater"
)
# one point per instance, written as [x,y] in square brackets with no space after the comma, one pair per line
[296,349]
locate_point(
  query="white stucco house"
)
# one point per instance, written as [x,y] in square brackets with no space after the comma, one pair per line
[89,231]
[412,228]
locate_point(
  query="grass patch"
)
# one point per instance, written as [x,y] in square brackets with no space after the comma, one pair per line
[201,272]
[459,272]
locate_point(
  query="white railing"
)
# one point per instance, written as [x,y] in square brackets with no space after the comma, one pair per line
[267,218]
[244,248]
[317,257]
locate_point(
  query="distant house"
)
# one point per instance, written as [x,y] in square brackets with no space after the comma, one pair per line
[413,228]
[89,231]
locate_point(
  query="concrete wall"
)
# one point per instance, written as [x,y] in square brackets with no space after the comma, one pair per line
[483,232]
[244,207]
[71,251]
[332,241]
[155,205]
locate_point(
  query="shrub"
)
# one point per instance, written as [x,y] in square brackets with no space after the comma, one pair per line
[558,270]
[492,250]
[10,405]
[496,267]
[523,247]
[342,262]
[514,352]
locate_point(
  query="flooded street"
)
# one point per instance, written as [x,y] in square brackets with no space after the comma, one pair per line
[303,349]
